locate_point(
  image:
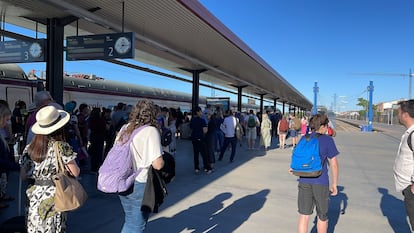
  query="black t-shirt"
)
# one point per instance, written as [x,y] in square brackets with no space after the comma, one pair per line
[197,124]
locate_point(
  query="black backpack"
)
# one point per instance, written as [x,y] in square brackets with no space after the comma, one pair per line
[166,136]
[167,172]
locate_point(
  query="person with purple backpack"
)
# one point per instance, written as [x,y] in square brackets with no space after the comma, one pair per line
[146,151]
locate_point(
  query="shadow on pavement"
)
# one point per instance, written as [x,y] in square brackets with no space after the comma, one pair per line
[212,216]
[393,208]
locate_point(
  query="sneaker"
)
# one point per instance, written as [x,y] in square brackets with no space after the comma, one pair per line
[209,171]
[197,170]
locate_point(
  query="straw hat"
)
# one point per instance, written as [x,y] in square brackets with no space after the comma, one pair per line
[49,119]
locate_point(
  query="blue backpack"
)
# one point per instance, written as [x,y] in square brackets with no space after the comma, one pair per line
[306,160]
[117,175]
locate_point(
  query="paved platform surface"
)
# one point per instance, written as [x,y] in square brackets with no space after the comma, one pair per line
[255,193]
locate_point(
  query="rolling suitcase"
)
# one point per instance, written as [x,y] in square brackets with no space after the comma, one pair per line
[15,224]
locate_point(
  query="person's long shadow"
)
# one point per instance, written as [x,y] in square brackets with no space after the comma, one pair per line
[337,207]
[393,208]
[230,218]
[210,216]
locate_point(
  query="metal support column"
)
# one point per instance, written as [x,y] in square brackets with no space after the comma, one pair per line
[196,88]
[239,96]
[283,108]
[275,103]
[261,103]
[54,60]
[370,109]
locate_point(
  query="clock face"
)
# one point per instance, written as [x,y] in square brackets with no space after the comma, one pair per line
[35,50]
[122,45]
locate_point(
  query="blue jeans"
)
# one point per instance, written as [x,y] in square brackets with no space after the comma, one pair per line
[219,138]
[135,219]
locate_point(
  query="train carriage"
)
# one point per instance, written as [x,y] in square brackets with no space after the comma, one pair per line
[16,85]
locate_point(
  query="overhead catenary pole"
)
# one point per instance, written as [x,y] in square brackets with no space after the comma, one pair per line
[410,78]
[315,94]
[370,109]
[410,84]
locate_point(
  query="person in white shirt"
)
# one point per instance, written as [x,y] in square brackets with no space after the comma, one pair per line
[228,127]
[404,162]
[147,151]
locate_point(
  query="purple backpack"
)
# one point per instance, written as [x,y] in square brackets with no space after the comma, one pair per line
[117,174]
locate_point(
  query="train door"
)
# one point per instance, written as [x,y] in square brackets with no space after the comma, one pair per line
[13,94]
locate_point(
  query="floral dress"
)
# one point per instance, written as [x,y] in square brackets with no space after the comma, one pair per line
[42,216]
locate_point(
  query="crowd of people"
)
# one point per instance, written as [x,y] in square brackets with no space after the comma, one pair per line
[86,133]
[83,136]
[214,131]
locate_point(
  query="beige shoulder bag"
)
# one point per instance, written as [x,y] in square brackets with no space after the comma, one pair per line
[70,194]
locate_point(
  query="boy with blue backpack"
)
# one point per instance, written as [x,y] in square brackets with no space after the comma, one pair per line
[313,189]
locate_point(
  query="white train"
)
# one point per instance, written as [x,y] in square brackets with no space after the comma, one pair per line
[16,85]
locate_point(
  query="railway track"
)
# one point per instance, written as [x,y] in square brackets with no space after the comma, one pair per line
[392,131]
[346,127]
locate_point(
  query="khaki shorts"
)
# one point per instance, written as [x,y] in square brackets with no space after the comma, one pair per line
[251,133]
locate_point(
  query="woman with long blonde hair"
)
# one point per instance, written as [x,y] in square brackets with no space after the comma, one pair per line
[147,151]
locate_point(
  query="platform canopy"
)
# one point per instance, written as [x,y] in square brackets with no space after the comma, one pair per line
[175,35]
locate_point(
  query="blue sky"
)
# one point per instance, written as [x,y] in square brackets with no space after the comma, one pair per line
[327,41]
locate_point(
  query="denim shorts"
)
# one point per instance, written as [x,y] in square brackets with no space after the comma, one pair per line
[293,133]
[311,195]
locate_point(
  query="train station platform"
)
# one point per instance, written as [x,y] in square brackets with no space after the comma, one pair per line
[256,193]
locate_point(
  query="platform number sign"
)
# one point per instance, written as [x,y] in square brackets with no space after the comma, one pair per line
[100,47]
[19,51]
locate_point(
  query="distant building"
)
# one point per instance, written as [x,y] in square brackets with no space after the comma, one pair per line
[386,112]
[385,107]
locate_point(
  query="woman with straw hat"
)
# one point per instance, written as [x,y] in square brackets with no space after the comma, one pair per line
[39,163]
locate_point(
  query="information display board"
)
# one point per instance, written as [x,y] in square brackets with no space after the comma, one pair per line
[100,47]
[18,51]
[222,103]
